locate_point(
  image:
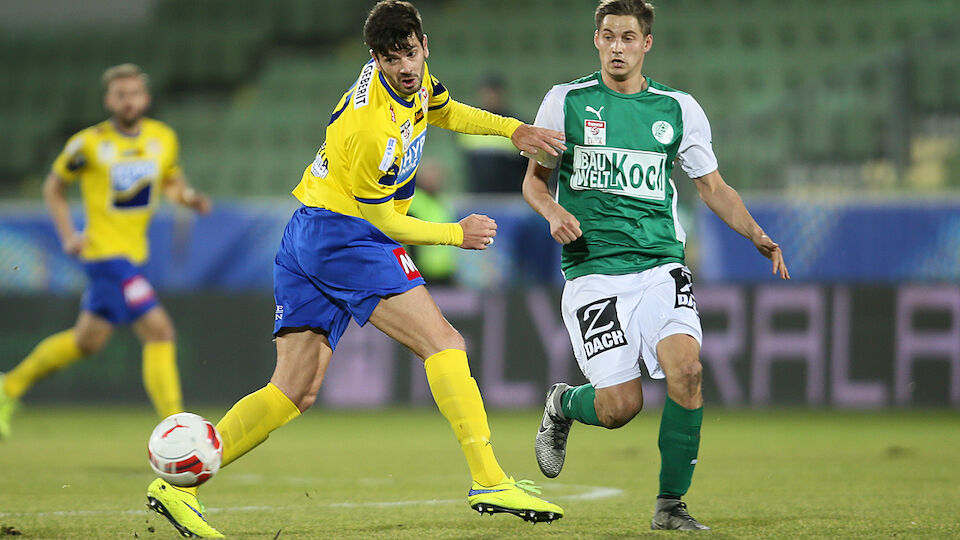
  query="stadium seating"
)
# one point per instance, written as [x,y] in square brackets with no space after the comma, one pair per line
[249,85]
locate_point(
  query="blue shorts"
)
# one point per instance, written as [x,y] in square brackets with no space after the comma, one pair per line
[331,267]
[117,291]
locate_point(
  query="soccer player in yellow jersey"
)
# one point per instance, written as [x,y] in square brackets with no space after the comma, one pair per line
[341,258]
[121,164]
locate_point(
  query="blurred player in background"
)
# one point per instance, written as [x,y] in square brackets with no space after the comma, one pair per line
[492,164]
[437,264]
[121,164]
[341,258]
[628,293]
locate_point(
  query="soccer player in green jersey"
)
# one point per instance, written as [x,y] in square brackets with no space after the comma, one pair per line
[628,294]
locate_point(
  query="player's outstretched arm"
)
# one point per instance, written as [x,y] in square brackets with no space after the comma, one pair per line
[462,118]
[408,229]
[54,195]
[472,232]
[564,227]
[179,191]
[728,206]
[532,139]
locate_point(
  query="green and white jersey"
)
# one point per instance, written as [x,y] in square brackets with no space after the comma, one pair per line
[614,176]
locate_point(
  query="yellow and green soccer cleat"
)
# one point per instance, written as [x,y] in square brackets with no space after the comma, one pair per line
[513,497]
[181,508]
[7,406]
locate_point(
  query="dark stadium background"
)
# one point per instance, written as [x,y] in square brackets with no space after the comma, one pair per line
[839,123]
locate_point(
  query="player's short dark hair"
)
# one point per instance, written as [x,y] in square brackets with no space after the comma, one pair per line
[389,25]
[643,11]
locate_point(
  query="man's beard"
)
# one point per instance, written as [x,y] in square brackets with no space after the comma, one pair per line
[128,121]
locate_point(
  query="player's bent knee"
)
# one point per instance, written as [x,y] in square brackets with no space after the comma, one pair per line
[91,344]
[691,371]
[618,412]
[166,334]
[451,339]
[616,419]
[159,331]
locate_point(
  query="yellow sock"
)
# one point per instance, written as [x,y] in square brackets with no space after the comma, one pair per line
[160,377]
[458,398]
[250,421]
[52,354]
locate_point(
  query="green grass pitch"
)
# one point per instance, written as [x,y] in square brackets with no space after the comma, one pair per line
[81,472]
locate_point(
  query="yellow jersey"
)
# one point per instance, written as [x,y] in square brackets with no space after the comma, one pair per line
[120,176]
[374,141]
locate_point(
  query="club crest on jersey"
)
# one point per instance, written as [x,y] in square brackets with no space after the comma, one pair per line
[406,132]
[594,132]
[106,152]
[393,115]
[406,263]
[662,131]
[424,99]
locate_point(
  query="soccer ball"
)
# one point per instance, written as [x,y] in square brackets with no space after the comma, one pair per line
[185,449]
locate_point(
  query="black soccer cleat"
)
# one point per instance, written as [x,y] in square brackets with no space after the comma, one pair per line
[671,514]
[527,515]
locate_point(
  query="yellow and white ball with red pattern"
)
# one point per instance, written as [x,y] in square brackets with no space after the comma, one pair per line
[185,449]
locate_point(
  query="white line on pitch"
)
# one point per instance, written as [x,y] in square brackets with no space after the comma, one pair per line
[591,493]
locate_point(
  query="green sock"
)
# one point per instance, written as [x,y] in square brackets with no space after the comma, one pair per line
[577,404]
[679,443]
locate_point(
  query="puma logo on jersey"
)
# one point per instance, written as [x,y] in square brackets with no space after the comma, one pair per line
[594,111]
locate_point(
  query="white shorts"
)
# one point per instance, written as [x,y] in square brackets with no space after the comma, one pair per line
[614,321]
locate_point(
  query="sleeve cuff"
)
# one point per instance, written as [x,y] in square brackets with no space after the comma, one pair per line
[512,125]
[456,232]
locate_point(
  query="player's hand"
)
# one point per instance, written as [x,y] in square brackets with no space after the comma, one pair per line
[478,231]
[74,244]
[771,250]
[531,139]
[197,201]
[564,228]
